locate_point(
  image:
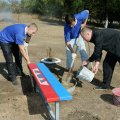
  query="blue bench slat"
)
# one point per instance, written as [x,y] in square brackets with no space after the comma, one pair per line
[59,89]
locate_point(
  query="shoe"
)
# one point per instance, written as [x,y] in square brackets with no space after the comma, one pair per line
[102,88]
[67,70]
[14,82]
[21,74]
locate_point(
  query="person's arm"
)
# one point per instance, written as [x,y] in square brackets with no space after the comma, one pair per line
[83,16]
[96,56]
[20,41]
[95,67]
[67,38]
[98,42]
[69,46]
[24,54]
[74,53]
[84,23]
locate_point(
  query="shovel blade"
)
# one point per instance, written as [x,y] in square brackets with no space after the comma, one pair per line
[72,89]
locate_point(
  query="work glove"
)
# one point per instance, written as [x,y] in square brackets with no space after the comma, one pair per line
[25,44]
[74,55]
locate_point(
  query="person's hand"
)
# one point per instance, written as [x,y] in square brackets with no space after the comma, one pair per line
[84,63]
[95,67]
[82,26]
[74,55]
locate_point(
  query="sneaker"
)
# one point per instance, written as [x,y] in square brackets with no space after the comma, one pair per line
[101,88]
[14,82]
[23,74]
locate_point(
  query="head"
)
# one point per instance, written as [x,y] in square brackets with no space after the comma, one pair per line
[86,33]
[70,20]
[31,29]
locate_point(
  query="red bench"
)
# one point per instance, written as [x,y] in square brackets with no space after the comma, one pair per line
[50,88]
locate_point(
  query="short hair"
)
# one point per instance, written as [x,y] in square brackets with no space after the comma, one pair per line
[69,18]
[33,25]
[84,30]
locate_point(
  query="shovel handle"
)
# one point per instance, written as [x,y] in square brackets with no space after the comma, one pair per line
[70,74]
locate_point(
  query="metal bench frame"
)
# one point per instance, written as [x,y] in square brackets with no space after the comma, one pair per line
[54,115]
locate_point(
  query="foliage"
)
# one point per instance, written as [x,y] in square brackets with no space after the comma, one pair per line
[99,9]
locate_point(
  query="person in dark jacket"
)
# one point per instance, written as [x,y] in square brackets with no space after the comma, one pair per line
[108,40]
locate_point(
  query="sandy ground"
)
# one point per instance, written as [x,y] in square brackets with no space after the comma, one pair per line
[19,103]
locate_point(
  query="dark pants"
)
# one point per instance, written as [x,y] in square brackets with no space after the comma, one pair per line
[108,68]
[18,58]
[8,51]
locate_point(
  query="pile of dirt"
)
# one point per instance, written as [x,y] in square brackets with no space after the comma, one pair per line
[81,115]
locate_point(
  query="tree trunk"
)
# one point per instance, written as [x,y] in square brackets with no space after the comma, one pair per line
[106,22]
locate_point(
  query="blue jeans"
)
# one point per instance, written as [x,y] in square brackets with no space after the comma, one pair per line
[81,48]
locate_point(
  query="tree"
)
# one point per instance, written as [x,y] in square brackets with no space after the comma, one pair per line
[73,6]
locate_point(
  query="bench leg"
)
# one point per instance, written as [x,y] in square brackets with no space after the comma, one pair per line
[33,83]
[55,116]
[56,110]
[50,111]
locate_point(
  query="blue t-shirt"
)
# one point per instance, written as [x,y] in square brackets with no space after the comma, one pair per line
[13,33]
[73,32]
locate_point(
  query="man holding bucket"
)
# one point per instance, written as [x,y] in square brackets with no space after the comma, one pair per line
[72,27]
[108,40]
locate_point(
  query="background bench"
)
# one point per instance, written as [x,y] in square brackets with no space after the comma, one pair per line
[50,88]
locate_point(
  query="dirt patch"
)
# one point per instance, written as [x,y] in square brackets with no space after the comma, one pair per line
[81,115]
[18,103]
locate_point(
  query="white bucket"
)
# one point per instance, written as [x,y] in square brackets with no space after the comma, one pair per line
[85,74]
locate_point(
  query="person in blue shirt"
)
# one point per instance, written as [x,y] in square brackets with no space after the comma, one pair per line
[73,25]
[18,56]
[14,35]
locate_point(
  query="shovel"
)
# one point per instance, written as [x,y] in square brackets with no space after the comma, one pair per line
[70,73]
[72,89]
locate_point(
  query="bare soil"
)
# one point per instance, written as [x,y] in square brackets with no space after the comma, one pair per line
[20,103]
